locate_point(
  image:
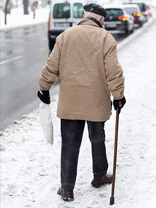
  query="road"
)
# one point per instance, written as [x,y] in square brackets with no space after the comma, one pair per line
[23,54]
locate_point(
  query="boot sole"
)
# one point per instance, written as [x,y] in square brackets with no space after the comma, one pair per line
[68,198]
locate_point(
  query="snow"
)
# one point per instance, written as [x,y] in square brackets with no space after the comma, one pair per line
[30,168]
[18,19]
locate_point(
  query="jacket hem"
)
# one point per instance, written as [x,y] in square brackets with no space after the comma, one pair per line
[82,117]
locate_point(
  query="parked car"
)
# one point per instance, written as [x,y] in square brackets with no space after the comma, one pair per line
[144,9]
[134,10]
[63,14]
[118,20]
[150,10]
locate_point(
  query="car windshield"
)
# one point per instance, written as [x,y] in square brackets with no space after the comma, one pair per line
[142,6]
[78,10]
[113,13]
[131,10]
[61,10]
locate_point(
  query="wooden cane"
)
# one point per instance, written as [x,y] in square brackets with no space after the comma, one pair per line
[115,156]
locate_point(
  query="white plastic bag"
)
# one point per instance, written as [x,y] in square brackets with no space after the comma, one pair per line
[46,121]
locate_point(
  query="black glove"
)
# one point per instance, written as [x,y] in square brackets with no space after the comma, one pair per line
[44,96]
[119,103]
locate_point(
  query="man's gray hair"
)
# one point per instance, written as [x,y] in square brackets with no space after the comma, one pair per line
[96,16]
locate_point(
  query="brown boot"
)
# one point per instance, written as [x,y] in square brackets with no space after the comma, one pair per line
[66,194]
[98,181]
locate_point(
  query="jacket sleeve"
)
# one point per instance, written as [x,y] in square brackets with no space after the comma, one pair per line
[51,68]
[113,69]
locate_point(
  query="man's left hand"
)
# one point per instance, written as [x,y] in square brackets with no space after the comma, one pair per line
[119,103]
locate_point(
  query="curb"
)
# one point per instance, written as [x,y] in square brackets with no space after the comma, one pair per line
[22,26]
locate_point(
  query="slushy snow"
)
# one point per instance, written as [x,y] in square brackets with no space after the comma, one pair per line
[30,168]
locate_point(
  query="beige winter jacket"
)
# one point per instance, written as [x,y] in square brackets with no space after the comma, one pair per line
[85,59]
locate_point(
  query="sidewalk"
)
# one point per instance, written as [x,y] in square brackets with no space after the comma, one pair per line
[30,168]
[18,19]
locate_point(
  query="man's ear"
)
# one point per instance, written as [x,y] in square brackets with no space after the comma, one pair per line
[83,15]
[102,20]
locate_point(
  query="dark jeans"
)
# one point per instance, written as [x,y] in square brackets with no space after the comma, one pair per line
[72,132]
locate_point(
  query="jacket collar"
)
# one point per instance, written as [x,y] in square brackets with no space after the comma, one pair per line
[90,21]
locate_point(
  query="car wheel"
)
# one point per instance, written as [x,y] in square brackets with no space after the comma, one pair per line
[132,30]
[141,24]
[127,32]
[51,44]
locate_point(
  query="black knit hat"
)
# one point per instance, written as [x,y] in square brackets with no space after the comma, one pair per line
[95,8]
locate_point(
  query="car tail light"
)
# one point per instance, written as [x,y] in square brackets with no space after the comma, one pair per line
[137,14]
[123,18]
[145,13]
[49,22]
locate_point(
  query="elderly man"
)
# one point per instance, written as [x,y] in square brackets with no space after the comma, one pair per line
[85,59]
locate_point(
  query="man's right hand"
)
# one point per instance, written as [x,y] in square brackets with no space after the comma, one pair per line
[44,96]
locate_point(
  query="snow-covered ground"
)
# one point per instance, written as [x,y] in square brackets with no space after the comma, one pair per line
[30,168]
[18,19]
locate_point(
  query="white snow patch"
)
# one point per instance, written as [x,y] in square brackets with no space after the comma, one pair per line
[18,19]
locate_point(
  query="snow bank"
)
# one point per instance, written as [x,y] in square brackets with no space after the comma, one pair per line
[18,19]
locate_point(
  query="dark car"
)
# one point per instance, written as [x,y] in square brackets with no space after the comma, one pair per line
[118,20]
[134,10]
[144,9]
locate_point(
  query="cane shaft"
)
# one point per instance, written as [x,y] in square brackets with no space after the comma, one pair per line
[115,151]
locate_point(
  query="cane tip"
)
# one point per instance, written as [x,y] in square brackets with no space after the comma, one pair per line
[111,200]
